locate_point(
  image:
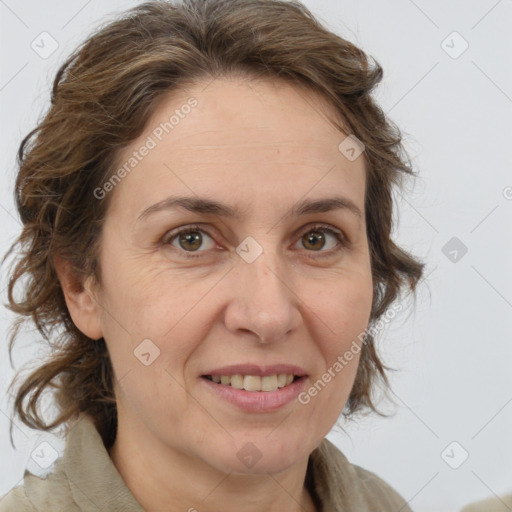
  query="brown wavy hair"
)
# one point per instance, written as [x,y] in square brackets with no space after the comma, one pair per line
[102,98]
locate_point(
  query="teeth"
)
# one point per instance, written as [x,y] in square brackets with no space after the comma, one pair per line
[237,381]
[254,382]
[269,383]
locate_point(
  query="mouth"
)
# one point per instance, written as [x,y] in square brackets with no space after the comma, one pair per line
[255,388]
[255,383]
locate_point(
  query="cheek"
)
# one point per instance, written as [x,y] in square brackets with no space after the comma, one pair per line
[345,312]
[156,318]
[145,298]
[345,308]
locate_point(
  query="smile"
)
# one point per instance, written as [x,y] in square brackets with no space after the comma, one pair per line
[255,393]
[254,382]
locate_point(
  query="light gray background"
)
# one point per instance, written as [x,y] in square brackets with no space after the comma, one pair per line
[454,348]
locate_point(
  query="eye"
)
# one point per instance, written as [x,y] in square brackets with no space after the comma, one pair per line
[316,238]
[190,239]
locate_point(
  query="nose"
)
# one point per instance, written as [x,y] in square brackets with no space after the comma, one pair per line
[263,302]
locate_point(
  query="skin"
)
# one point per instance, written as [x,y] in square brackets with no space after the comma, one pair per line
[261,146]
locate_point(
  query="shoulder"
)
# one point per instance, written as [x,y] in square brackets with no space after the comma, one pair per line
[348,487]
[83,476]
[378,491]
[494,504]
[39,494]
[16,500]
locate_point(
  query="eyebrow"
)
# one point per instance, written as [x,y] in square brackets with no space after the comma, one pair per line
[212,207]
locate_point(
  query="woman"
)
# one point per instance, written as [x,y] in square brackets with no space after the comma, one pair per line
[207,212]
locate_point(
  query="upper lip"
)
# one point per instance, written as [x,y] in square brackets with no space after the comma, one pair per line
[261,371]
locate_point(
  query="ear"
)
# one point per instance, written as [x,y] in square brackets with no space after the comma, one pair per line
[80,299]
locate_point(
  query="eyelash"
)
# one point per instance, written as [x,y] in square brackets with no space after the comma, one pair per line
[172,235]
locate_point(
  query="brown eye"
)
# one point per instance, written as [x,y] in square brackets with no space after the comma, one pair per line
[192,241]
[189,240]
[317,238]
[314,240]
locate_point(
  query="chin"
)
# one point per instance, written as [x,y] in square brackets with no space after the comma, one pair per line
[260,456]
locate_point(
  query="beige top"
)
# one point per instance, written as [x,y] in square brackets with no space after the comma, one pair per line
[494,504]
[85,479]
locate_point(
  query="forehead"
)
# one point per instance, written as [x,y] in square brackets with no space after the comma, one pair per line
[244,134]
[251,113]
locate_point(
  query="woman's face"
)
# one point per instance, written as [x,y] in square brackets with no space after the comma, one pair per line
[269,291]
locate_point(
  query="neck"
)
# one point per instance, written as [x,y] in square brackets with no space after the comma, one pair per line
[161,478]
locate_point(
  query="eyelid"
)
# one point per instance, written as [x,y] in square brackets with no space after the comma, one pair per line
[343,241]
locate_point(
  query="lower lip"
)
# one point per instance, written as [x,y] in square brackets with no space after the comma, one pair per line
[257,401]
